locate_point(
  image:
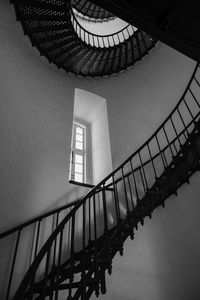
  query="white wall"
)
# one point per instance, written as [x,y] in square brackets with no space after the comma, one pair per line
[101,152]
[35,128]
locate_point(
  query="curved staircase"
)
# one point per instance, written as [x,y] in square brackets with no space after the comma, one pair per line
[54,30]
[74,260]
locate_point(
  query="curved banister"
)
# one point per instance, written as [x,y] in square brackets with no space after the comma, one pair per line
[94,14]
[102,41]
[101,187]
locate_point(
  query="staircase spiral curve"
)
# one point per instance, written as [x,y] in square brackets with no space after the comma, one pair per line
[78,254]
[91,11]
[53,29]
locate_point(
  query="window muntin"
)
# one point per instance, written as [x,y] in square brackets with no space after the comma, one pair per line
[78,155]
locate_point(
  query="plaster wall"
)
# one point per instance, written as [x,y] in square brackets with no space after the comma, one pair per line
[35,127]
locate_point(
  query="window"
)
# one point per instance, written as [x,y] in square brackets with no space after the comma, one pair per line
[78,153]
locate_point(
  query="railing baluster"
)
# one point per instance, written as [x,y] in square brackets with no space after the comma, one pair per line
[58,265]
[89,219]
[71,276]
[153,166]
[117,210]
[125,192]
[46,273]
[13,265]
[143,171]
[168,143]
[37,238]
[55,242]
[105,210]
[162,154]
[191,114]
[177,136]
[96,250]
[83,283]
[135,184]
[129,185]
[183,122]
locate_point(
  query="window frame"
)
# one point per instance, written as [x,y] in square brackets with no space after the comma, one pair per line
[77,151]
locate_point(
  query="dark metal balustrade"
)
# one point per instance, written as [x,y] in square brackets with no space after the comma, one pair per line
[53,29]
[102,41]
[76,256]
[91,11]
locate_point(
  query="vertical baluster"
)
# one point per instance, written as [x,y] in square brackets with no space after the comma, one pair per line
[108,41]
[131,195]
[127,30]
[105,210]
[125,192]
[168,143]
[183,122]
[145,184]
[123,36]
[162,154]
[96,249]
[113,40]
[13,265]
[71,277]
[191,114]
[32,243]
[177,136]
[89,220]
[118,38]
[134,181]
[58,265]
[37,238]
[46,273]
[116,200]
[55,242]
[103,42]
[83,256]
[152,163]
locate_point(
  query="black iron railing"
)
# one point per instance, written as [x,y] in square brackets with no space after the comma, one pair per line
[91,12]
[124,197]
[29,238]
[102,41]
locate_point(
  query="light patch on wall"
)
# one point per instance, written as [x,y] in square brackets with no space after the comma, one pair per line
[92,110]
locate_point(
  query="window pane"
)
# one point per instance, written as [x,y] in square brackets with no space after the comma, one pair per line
[79,130]
[79,145]
[79,177]
[78,158]
[79,137]
[78,168]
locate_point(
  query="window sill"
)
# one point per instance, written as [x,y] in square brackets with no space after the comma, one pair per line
[82,184]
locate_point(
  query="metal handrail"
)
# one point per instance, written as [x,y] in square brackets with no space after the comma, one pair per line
[91,12]
[91,195]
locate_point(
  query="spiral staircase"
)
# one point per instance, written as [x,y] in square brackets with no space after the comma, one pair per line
[86,235]
[53,28]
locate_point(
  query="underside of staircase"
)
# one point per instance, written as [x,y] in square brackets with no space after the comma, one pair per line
[54,30]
